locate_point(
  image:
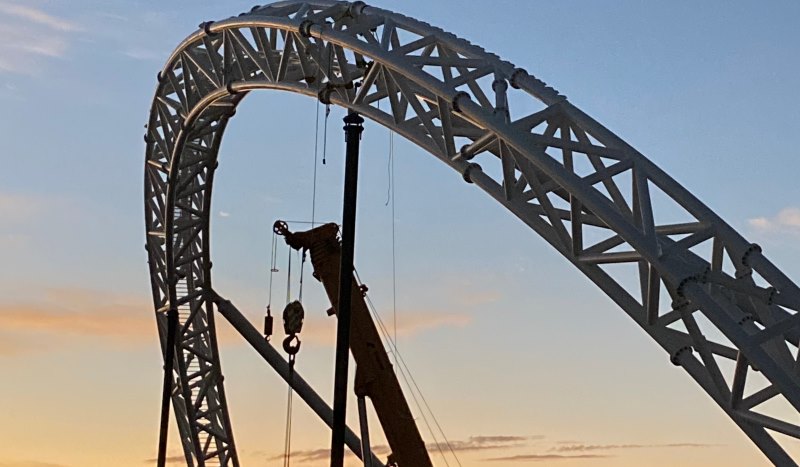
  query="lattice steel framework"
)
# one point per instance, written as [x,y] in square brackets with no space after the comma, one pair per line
[711,299]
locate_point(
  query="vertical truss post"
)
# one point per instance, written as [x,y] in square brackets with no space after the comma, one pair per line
[352,133]
[166,395]
[362,418]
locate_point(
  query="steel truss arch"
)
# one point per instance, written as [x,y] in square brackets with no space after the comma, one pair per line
[571,180]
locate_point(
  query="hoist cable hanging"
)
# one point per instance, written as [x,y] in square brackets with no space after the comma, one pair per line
[394,250]
[316,147]
[268,319]
[327,107]
[302,267]
[325,133]
[287,446]
[272,267]
[289,278]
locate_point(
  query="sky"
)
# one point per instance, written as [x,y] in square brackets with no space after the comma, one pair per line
[521,359]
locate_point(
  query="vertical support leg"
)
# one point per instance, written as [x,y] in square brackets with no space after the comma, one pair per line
[169,359]
[362,418]
[352,130]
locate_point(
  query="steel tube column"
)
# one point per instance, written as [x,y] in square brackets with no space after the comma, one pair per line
[362,419]
[166,395]
[352,133]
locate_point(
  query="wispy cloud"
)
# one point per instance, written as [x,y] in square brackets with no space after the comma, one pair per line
[786,221]
[509,445]
[35,16]
[312,455]
[473,443]
[607,447]
[485,443]
[321,330]
[31,36]
[61,313]
[170,459]
[29,464]
[141,53]
[545,457]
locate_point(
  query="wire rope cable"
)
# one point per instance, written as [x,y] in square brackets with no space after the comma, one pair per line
[394,243]
[412,384]
[316,148]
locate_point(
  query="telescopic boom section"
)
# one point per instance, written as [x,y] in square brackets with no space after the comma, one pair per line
[375,377]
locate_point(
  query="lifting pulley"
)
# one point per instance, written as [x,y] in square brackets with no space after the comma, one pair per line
[293,316]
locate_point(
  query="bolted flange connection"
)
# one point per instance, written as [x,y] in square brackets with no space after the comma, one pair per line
[467,171]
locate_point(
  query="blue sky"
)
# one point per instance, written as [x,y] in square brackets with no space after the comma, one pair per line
[706,90]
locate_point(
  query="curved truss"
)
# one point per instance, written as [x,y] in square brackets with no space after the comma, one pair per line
[711,299]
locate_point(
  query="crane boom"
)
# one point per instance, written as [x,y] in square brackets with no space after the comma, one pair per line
[375,377]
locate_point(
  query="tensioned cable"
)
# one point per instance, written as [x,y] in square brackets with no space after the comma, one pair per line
[289,278]
[394,251]
[272,268]
[313,196]
[290,393]
[287,445]
[411,383]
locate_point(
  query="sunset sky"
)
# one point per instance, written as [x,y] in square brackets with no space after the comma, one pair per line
[522,360]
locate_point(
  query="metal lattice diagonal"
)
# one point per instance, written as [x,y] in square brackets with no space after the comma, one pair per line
[719,308]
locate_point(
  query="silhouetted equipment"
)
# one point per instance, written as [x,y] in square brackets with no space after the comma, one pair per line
[268,324]
[375,377]
[293,316]
[169,360]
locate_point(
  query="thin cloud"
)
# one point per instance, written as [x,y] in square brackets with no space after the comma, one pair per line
[29,464]
[174,459]
[473,443]
[501,439]
[59,316]
[786,221]
[141,53]
[62,313]
[321,330]
[606,447]
[311,455]
[545,457]
[224,214]
[485,443]
[33,15]
[30,37]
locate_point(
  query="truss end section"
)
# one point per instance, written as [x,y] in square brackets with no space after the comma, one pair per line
[699,278]
[677,355]
[356,8]
[206,27]
[456,98]
[467,174]
[752,248]
[305,28]
[521,79]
